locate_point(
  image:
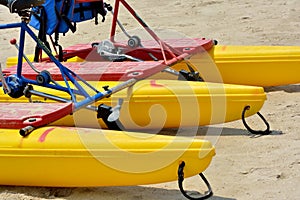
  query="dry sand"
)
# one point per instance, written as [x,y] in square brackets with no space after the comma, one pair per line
[245,167]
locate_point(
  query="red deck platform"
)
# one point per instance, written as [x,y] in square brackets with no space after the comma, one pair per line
[20,115]
[94,71]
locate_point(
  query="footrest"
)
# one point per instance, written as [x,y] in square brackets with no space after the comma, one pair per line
[20,115]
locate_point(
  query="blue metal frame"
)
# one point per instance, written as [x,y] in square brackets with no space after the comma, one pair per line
[69,76]
[66,73]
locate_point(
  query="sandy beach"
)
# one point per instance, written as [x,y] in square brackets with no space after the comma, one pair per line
[245,166]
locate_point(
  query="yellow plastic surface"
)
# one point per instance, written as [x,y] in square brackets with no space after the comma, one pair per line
[155,104]
[244,65]
[256,65]
[78,157]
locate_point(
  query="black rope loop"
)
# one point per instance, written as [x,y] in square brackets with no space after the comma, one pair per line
[207,194]
[256,132]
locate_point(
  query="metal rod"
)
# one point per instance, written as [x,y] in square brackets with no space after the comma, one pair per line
[21,49]
[48,96]
[27,60]
[104,94]
[12,25]
[4,83]
[121,26]
[171,71]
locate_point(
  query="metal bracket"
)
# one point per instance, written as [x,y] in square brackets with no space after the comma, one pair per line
[110,115]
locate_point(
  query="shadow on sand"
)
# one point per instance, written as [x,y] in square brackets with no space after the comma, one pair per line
[285,88]
[214,131]
[107,193]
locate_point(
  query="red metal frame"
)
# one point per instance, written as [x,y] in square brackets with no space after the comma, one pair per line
[164,47]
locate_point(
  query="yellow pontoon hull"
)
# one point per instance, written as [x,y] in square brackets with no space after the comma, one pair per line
[258,65]
[244,65]
[78,157]
[156,104]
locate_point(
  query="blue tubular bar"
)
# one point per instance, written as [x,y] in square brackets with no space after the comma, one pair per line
[20,25]
[39,42]
[51,86]
[67,74]
[64,71]
[104,94]
[67,83]
[84,81]
[77,85]
[21,50]
[12,25]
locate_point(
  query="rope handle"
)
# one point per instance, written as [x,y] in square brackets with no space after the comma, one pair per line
[207,194]
[256,132]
